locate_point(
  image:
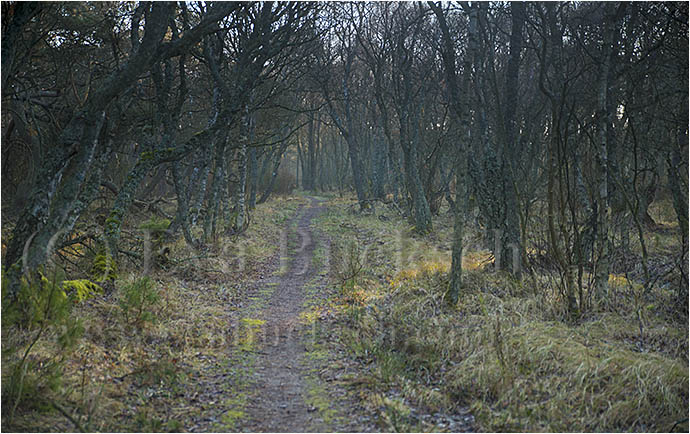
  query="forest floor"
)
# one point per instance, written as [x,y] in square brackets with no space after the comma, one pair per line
[323,318]
[286,371]
[230,343]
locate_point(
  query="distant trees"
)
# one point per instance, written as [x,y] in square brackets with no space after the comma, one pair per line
[550,126]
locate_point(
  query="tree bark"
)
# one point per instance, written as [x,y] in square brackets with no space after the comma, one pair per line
[217,187]
[241,193]
[276,165]
[182,191]
[602,234]
[459,101]
[511,223]
[420,205]
[254,177]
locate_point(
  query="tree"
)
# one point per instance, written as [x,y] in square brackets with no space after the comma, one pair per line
[59,201]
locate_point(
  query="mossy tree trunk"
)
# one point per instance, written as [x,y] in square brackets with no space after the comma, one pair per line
[53,198]
[73,155]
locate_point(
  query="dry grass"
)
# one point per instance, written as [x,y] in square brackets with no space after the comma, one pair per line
[154,375]
[506,351]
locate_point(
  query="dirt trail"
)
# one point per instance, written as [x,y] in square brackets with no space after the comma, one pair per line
[277,403]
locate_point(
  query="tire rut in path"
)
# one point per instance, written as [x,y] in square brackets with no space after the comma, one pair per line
[277,403]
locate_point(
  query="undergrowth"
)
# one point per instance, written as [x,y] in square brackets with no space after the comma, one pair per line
[123,352]
[507,351]
[39,334]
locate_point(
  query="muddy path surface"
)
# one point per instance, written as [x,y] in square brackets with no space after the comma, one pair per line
[275,376]
[278,403]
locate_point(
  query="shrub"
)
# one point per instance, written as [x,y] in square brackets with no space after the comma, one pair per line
[41,311]
[137,300]
[350,264]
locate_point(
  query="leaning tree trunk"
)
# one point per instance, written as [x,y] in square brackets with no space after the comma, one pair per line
[65,201]
[147,160]
[80,133]
[125,197]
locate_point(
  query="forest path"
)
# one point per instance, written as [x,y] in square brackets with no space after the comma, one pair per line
[281,390]
[278,403]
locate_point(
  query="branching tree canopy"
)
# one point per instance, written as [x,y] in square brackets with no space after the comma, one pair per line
[563,120]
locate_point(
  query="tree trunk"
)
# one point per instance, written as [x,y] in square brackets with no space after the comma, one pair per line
[198,195]
[310,174]
[459,100]
[253,177]
[182,218]
[379,166]
[420,206]
[241,189]
[602,236]
[676,168]
[217,186]
[357,172]
[66,199]
[511,224]
[274,174]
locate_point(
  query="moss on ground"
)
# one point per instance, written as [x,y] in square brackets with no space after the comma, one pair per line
[318,356]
